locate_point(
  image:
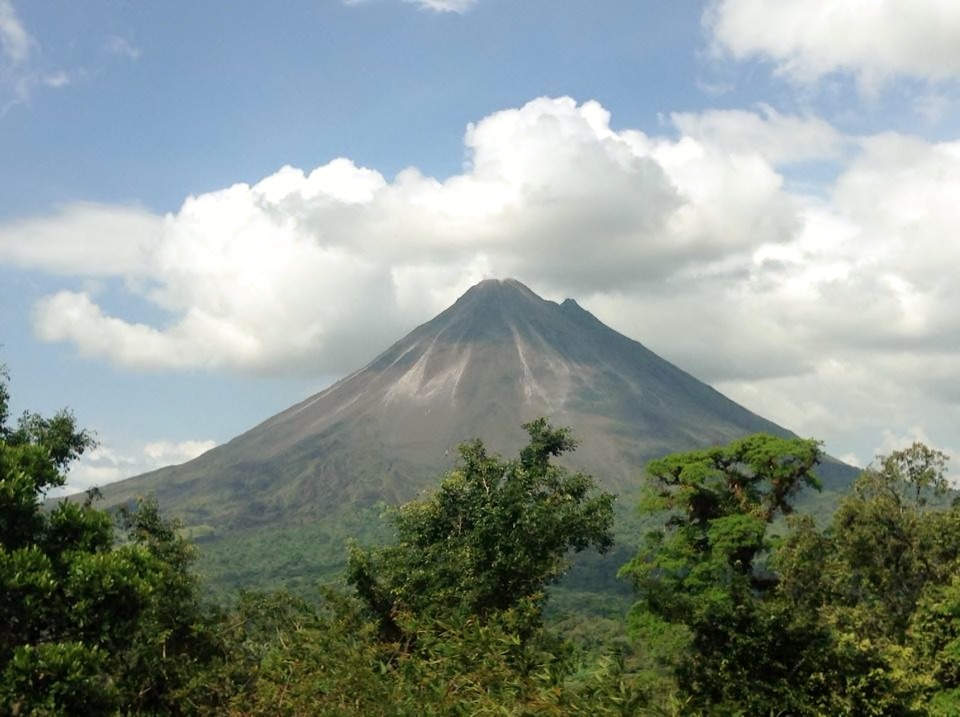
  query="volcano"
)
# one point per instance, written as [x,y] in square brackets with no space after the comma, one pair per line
[500,356]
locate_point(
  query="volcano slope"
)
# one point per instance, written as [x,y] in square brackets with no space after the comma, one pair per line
[300,482]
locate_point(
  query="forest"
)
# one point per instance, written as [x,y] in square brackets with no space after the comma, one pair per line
[741,605]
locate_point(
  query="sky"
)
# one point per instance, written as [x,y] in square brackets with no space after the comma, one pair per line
[210,211]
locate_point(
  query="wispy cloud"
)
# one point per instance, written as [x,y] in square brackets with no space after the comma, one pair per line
[56,80]
[23,70]
[20,70]
[457,6]
[16,42]
[16,48]
[121,47]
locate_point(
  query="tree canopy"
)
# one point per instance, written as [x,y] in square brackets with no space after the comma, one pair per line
[91,622]
[743,605]
[491,538]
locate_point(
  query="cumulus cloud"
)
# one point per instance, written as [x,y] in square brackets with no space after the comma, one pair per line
[875,41]
[834,310]
[165,453]
[309,271]
[779,139]
[850,327]
[107,465]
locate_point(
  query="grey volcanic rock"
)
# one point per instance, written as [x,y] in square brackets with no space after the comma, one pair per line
[498,357]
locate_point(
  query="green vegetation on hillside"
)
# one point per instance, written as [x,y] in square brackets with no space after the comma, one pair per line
[736,610]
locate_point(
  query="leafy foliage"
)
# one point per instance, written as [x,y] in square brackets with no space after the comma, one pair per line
[878,581]
[857,619]
[742,607]
[332,661]
[447,618]
[703,578]
[87,625]
[489,540]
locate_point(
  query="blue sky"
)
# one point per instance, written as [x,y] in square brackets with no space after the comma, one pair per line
[211,210]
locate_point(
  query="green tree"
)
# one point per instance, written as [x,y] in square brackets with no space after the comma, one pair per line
[891,539]
[332,661]
[446,620]
[881,581]
[703,581]
[888,545]
[934,637]
[490,539]
[87,626]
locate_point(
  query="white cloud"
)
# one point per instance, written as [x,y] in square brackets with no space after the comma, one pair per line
[105,465]
[834,311]
[24,69]
[56,80]
[122,47]
[83,240]
[851,327]
[458,6]
[780,139]
[16,48]
[15,41]
[21,70]
[286,274]
[165,453]
[875,40]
